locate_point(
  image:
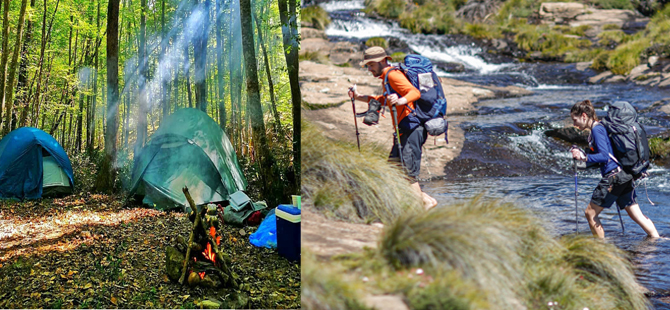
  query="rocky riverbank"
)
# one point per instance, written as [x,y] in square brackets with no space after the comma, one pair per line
[324,91]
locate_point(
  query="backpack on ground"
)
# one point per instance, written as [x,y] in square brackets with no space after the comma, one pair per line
[431,108]
[628,139]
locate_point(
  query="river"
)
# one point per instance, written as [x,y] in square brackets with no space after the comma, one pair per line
[506,154]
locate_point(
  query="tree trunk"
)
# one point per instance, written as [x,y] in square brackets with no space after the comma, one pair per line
[187,65]
[165,84]
[268,72]
[107,175]
[9,93]
[5,57]
[220,64]
[22,102]
[254,100]
[288,19]
[92,124]
[200,60]
[142,91]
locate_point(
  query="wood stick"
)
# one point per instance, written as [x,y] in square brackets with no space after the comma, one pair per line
[220,256]
[193,233]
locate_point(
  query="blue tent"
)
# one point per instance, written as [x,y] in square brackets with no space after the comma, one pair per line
[32,163]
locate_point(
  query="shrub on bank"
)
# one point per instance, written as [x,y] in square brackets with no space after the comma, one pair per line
[482,31]
[600,60]
[659,147]
[315,15]
[626,56]
[431,17]
[377,41]
[612,37]
[398,57]
[323,289]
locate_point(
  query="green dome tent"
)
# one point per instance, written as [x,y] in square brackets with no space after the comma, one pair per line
[188,149]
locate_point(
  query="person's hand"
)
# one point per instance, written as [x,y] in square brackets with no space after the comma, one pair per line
[578,154]
[353,94]
[392,99]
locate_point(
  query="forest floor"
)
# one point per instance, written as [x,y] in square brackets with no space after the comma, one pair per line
[92,252]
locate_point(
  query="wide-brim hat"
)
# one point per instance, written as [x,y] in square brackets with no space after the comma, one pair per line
[374,54]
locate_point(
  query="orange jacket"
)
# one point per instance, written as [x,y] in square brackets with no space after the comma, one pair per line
[399,82]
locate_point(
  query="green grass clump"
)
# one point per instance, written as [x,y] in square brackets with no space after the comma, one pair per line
[582,55]
[377,41]
[390,8]
[352,185]
[626,56]
[659,147]
[579,30]
[505,254]
[515,9]
[611,27]
[550,43]
[314,56]
[398,56]
[600,61]
[323,289]
[481,31]
[316,15]
[610,37]
[613,4]
[429,18]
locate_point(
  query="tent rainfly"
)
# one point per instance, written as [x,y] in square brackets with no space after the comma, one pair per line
[188,149]
[33,165]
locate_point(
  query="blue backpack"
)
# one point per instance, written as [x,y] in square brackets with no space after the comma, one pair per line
[430,109]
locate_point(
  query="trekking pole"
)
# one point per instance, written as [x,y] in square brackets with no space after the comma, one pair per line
[623,230]
[353,107]
[576,194]
[394,115]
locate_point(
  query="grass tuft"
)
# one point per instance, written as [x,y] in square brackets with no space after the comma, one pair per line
[377,41]
[323,289]
[316,15]
[659,147]
[352,185]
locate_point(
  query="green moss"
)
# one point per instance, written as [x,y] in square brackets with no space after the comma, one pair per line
[377,41]
[430,18]
[626,56]
[316,15]
[659,147]
[398,56]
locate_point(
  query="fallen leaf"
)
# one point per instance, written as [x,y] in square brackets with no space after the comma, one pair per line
[88,285]
[183,298]
[113,300]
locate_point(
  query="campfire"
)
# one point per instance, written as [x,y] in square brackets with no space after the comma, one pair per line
[199,260]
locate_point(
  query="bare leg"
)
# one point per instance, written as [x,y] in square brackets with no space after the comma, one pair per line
[647,225]
[428,202]
[592,212]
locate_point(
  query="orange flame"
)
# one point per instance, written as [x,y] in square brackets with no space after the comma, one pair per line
[208,253]
[202,275]
[212,231]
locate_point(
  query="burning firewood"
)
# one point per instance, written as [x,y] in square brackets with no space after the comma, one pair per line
[202,249]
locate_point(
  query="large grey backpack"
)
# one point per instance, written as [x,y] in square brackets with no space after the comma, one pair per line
[628,138]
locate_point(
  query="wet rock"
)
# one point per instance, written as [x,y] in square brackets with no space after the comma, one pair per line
[637,72]
[236,300]
[653,60]
[664,83]
[569,134]
[583,66]
[449,66]
[600,77]
[560,11]
[174,260]
[310,33]
[616,79]
[397,45]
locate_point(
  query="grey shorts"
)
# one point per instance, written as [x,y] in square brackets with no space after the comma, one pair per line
[612,188]
[412,144]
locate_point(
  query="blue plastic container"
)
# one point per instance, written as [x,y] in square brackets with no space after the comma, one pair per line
[288,232]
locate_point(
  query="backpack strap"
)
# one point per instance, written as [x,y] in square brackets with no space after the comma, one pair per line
[387,86]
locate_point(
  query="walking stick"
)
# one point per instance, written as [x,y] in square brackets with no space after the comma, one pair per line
[397,134]
[623,230]
[353,107]
[576,194]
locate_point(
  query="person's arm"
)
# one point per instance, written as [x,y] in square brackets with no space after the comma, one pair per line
[366,98]
[602,144]
[405,89]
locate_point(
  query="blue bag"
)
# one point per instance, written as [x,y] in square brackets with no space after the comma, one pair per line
[266,235]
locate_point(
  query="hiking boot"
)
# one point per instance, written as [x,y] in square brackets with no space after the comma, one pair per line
[372,115]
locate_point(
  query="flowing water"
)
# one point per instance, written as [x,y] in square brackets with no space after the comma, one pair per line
[506,154]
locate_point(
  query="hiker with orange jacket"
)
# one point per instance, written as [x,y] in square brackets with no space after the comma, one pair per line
[412,134]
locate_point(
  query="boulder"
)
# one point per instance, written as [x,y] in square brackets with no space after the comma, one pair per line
[569,134]
[449,66]
[560,11]
[637,72]
[616,79]
[311,33]
[664,83]
[583,66]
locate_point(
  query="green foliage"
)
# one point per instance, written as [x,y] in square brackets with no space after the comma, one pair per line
[613,4]
[582,55]
[626,56]
[610,37]
[398,56]
[390,8]
[481,31]
[659,147]
[347,184]
[579,30]
[315,56]
[431,17]
[440,295]
[515,9]
[316,15]
[377,41]
[324,289]
[550,43]
[600,61]
[611,27]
